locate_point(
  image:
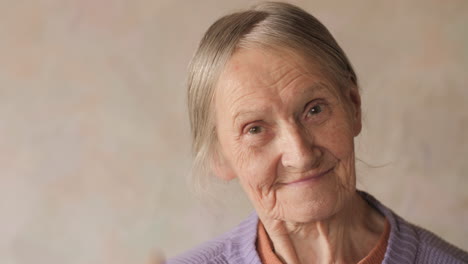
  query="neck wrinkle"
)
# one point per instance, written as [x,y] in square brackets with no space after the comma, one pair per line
[328,241]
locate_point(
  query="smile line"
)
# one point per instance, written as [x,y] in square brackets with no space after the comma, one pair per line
[313,177]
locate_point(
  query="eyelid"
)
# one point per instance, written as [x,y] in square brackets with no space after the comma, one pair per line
[323,114]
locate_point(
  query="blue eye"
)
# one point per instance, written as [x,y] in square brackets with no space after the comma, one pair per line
[316,109]
[255,130]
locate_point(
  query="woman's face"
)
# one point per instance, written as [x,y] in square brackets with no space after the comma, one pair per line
[287,134]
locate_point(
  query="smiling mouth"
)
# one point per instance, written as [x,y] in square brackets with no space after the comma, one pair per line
[309,178]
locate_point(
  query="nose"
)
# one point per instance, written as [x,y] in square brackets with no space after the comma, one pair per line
[298,150]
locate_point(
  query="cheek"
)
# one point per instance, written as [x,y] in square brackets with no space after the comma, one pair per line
[255,167]
[340,144]
[257,173]
[339,140]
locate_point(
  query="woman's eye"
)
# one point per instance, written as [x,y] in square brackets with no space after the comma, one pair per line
[255,130]
[316,109]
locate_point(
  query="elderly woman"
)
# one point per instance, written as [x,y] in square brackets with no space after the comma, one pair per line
[274,102]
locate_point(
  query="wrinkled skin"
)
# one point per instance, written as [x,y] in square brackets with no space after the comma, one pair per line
[287,134]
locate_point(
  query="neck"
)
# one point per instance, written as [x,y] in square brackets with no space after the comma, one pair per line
[346,237]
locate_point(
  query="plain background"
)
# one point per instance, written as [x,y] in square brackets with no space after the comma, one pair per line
[94,139]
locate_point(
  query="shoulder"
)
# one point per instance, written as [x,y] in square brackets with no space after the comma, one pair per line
[214,251]
[409,243]
[235,246]
[433,249]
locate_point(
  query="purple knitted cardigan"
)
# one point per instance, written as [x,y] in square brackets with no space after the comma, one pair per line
[407,244]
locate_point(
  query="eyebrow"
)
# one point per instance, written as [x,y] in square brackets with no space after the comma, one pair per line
[240,116]
[313,89]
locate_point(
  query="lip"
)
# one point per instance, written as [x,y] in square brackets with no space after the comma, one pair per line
[313,177]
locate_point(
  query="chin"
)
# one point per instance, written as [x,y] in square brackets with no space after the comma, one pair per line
[306,214]
[311,207]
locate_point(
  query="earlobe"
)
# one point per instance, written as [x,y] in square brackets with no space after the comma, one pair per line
[221,168]
[357,127]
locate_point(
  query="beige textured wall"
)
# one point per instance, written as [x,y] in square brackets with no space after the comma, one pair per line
[94,147]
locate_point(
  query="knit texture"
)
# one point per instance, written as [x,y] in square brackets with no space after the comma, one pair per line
[407,244]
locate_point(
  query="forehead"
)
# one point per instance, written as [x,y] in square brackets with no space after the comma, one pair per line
[256,73]
[265,67]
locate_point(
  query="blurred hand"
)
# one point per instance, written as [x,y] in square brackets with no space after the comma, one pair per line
[156,257]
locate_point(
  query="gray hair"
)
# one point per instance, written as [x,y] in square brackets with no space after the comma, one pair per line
[271,25]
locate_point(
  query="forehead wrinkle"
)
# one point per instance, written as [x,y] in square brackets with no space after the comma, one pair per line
[242,88]
[295,76]
[276,66]
[237,102]
[286,72]
[232,100]
[247,104]
[305,68]
[292,82]
[276,76]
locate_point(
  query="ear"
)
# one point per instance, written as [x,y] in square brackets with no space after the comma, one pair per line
[355,100]
[221,167]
